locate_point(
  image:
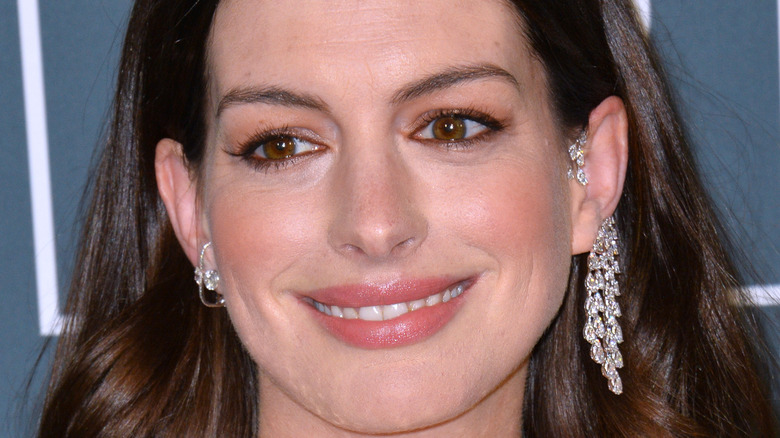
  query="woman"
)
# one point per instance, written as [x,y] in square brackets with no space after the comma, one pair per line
[412,214]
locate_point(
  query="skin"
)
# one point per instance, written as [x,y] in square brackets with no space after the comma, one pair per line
[376,202]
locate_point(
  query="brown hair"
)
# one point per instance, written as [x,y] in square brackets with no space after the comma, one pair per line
[690,365]
[140,356]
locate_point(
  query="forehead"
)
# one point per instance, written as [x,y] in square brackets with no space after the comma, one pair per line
[368,45]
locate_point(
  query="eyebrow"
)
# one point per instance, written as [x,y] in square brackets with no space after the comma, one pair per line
[278,96]
[450,77]
[271,96]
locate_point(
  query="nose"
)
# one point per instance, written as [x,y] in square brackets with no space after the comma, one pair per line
[377,213]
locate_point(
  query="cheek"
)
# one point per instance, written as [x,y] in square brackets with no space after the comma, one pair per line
[257,236]
[259,233]
[518,214]
[515,211]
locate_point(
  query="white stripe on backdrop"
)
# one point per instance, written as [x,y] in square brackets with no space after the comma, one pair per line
[645,11]
[49,316]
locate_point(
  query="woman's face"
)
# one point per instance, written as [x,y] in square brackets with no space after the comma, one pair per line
[373,157]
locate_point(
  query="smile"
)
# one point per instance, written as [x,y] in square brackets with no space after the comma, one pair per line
[389,311]
[373,315]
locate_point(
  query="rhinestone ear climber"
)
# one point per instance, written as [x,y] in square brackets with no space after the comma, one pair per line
[208,279]
[602,330]
[577,157]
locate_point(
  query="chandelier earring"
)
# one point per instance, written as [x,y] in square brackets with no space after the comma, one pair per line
[602,330]
[207,279]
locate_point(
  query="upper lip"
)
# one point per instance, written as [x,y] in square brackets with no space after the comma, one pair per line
[383,293]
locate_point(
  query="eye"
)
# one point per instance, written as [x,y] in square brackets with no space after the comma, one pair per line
[281,147]
[275,148]
[456,126]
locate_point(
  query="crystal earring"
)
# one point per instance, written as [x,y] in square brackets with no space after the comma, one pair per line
[578,159]
[208,279]
[601,329]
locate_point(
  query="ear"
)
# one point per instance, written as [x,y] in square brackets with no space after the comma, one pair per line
[606,158]
[178,191]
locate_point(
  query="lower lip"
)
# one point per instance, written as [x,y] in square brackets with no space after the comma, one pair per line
[406,329]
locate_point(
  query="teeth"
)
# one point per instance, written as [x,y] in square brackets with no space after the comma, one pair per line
[416,304]
[457,290]
[370,313]
[394,310]
[433,300]
[390,311]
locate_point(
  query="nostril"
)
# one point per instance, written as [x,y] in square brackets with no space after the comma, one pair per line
[405,243]
[350,248]
[374,214]
[379,246]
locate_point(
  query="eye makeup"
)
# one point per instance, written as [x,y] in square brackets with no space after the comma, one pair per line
[275,149]
[457,128]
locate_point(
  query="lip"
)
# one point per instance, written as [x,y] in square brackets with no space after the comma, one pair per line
[406,329]
[380,294]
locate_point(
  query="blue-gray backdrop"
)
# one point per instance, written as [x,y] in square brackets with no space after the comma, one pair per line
[58,60]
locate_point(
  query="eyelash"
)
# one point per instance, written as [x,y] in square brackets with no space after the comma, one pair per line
[492,124]
[247,149]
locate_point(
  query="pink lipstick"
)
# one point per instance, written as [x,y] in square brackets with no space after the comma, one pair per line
[384,315]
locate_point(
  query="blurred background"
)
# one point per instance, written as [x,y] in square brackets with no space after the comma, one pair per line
[58,61]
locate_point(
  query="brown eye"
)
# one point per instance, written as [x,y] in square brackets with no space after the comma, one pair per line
[279,148]
[449,129]
[456,128]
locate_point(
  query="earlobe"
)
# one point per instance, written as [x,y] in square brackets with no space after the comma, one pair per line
[606,158]
[179,194]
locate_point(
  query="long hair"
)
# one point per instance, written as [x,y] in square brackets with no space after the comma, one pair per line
[690,362]
[140,356]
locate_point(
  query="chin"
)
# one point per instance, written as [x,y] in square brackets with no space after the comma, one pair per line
[401,410]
